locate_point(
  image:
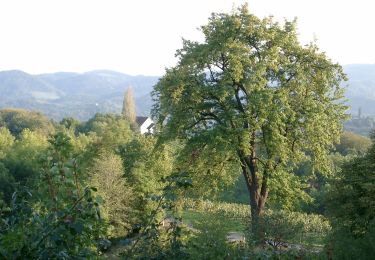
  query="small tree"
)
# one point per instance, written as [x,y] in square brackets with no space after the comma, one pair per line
[128,107]
[107,175]
[251,94]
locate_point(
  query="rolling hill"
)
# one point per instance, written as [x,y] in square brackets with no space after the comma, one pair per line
[65,94]
[81,95]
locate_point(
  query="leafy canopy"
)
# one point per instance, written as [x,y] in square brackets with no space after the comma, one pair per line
[16,120]
[251,93]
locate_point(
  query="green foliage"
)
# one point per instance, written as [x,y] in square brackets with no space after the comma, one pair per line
[23,161]
[252,72]
[107,133]
[149,171]
[71,123]
[19,159]
[230,210]
[118,198]
[284,226]
[353,194]
[351,205]
[154,241]
[235,193]
[250,96]
[289,191]
[59,219]
[146,164]
[81,142]
[6,141]
[7,184]
[207,162]
[101,134]
[308,192]
[100,123]
[147,167]
[115,135]
[345,246]
[249,99]
[281,224]
[289,234]
[209,238]
[16,120]
[351,143]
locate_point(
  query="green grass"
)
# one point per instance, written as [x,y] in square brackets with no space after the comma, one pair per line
[200,220]
[308,229]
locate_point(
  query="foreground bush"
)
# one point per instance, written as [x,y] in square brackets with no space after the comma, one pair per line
[59,218]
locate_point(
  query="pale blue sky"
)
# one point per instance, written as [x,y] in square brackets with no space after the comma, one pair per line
[140,37]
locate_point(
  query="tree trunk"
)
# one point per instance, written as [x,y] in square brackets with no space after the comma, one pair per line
[256,228]
[258,196]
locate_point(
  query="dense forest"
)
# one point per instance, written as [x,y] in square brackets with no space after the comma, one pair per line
[248,160]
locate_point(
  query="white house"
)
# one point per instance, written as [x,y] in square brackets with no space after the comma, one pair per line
[146,125]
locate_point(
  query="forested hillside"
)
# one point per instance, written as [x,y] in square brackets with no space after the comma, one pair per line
[66,94]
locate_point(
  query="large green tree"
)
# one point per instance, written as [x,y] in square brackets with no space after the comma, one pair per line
[251,94]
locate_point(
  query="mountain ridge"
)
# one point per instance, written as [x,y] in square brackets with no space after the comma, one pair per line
[70,94]
[81,95]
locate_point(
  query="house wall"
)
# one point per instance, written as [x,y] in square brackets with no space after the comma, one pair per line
[146,124]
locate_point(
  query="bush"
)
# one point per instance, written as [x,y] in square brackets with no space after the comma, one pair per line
[59,219]
[344,246]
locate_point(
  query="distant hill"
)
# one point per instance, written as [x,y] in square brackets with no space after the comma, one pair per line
[20,85]
[64,94]
[81,95]
[361,88]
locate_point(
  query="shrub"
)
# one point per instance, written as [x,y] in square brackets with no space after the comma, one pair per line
[59,219]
